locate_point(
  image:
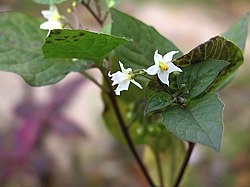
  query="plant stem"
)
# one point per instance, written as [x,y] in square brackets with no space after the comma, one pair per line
[97,18]
[159,168]
[185,163]
[125,132]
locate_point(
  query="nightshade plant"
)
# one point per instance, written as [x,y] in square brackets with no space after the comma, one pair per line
[178,100]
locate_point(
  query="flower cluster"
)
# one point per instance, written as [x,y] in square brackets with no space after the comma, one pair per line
[162,67]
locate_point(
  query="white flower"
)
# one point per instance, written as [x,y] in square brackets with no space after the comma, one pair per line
[53,17]
[163,66]
[123,79]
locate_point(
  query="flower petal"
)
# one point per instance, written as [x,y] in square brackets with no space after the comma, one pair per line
[122,67]
[164,76]
[124,70]
[118,77]
[46,14]
[50,25]
[152,70]
[169,56]
[136,83]
[122,86]
[173,68]
[54,10]
[157,58]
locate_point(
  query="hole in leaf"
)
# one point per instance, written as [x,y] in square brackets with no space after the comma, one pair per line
[59,39]
[81,34]
[48,42]
[56,31]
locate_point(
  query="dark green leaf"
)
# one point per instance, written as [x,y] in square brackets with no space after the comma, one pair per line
[237,33]
[80,44]
[21,52]
[217,48]
[158,101]
[138,53]
[197,77]
[48,2]
[200,122]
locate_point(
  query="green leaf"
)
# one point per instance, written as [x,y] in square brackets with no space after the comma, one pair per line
[217,48]
[138,53]
[48,2]
[80,44]
[21,52]
[157,102]
[199,122]
[197,77]
[237,33]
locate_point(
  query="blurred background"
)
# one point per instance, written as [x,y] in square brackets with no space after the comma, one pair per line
[54,136]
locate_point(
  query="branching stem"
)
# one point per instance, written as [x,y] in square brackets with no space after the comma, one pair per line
[114,103]
[97,15]
[184,164]
[125,132]
[159,168]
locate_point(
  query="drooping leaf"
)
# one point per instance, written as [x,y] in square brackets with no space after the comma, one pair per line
[158,101]
[199,122]
[48,2]
[237,33]
[80,44]
[197,77]
[21,52]
[138,53]
[217,48]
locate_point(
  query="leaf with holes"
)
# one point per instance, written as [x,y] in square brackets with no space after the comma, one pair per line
[80,44]
[157,102]
[139,52]
[217,48]
[48,2]
[21,52]
[199,122]
[197,77]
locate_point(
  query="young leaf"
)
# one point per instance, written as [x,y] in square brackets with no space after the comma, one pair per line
[197,77]
[80,44]
[200,122]
[158,101]
[217,48]
[138,53]
[237,33]
[21,53]
[48,2]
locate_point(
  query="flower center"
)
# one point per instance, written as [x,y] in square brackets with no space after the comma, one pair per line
[131,76]
[56,17]
[163,66]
